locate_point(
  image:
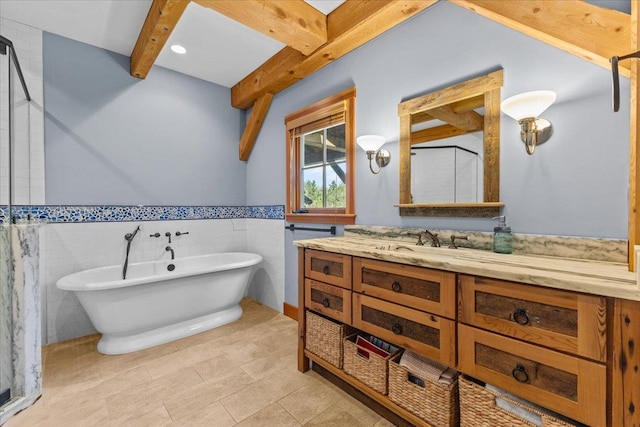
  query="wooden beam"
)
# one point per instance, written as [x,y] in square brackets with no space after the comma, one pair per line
[351,25]
[161,20]
[252,129]
[435,133]
[469,121]
[634,139]
[293,22]
[591,32]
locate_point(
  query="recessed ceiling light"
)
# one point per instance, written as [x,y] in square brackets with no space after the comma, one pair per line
[178,49]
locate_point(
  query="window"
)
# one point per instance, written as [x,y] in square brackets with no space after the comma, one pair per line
[320,155]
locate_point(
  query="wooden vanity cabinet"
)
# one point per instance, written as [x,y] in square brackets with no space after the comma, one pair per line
[569,385]
[328,267]
[549,346]
[546,345]
[413,307]
[561,320]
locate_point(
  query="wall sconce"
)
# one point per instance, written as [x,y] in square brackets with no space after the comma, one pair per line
[371,144]
[525,108]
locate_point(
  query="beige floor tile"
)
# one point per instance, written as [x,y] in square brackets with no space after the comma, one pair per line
[310,401]
[215,366]
[245,371]
[94,414]
[173,362]
[149,396]
[336,416]
[212,415]
[273,416]
[111,365]
[266,365]
[191,400]
[384,423]
[114,384]
[264,392]
[364,414]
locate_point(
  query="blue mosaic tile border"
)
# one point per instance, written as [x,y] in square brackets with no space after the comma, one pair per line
[113,213]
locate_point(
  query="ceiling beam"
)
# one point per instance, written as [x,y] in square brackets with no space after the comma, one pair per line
[435,133]
[588,31]
[252,128]
[469,121]
[161,20]
[349,26]
[295,23]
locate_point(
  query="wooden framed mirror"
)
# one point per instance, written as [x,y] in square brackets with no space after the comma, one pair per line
[437,121]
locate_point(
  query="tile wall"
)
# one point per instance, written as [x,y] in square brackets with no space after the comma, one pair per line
[28,118]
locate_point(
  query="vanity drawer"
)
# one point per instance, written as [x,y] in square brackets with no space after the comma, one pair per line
[428,334]
[416,287]
[561,320]
[328,267]
[567,384]
[329,300]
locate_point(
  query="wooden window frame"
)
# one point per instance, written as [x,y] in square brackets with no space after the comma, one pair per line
[340,102]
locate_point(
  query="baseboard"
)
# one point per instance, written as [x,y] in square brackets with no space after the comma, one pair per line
[290,311]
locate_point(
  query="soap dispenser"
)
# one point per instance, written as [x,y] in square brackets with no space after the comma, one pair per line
[502,237]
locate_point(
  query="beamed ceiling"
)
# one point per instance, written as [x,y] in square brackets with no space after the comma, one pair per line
[314,40]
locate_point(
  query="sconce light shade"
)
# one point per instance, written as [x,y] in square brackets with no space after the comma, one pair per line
[528,104]
[525,108]
[371,144]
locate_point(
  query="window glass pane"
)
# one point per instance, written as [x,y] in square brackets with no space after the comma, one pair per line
[312,144]
[336,143]
[335,184]
[312,196]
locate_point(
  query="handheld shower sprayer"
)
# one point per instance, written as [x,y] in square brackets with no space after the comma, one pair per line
[129,238]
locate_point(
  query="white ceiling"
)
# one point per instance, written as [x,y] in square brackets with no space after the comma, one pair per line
[220,50]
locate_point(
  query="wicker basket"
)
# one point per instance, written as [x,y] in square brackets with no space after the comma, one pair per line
[372,372]
[478,409]
[435,403]
[324,338]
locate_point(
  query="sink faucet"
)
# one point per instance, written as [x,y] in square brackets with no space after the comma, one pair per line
[169,249]
[420,242]
[435,242]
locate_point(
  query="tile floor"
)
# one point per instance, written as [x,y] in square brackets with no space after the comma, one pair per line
[241,374]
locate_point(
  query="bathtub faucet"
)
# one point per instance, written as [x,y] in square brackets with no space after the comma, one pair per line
[170,249]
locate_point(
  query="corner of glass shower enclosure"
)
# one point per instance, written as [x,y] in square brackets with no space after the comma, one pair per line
[18,389]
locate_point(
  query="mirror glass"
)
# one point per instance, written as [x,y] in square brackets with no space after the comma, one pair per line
[450,148]
[447,153]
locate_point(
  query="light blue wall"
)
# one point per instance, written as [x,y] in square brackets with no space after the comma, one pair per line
[575,185]
[111,138]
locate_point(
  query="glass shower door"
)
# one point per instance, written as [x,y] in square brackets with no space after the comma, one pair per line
[6,326]
[14,190]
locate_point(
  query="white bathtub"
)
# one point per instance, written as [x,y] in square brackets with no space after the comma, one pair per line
[154,305]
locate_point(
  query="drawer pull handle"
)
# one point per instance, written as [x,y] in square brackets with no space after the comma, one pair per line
[397,329]
[325,269]
[395,286]
[520,316]
[325,302]
[520,374]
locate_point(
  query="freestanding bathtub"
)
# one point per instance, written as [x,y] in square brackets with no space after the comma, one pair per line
[161,301]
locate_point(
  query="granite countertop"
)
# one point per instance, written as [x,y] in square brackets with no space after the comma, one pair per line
[588,276]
